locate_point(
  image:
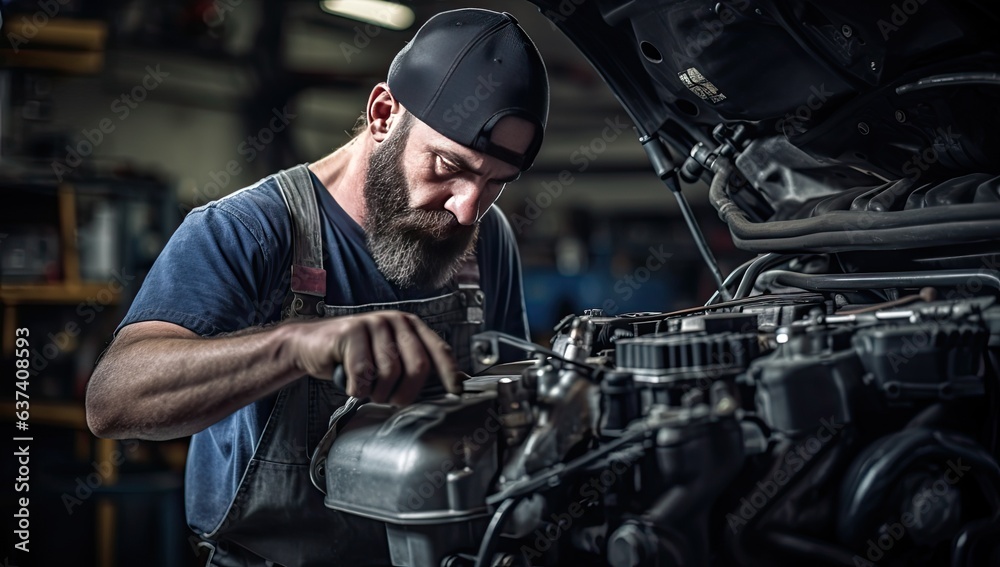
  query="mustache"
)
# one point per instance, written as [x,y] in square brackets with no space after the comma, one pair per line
[437,225]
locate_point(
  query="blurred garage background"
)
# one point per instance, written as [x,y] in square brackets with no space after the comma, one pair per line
[119,117]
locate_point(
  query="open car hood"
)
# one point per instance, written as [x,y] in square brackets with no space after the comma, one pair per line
[822,126]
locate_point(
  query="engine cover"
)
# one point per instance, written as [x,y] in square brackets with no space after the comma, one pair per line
[427,463]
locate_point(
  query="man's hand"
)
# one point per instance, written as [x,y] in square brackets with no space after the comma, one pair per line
[160,381]
[387,355]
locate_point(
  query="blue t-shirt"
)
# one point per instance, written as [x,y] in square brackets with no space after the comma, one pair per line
[226,268]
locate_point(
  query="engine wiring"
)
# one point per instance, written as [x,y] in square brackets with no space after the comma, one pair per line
[846,282]
[841,230]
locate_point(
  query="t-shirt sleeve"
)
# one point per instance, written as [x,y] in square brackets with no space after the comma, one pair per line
[212,276]
[501,282]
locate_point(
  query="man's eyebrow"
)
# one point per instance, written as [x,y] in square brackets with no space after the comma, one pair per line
[462,163]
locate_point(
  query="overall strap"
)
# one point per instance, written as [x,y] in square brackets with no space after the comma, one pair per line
[472,298]
[468,272]
[308,278]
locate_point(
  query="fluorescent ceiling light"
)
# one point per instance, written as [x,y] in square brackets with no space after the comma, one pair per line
[379,12]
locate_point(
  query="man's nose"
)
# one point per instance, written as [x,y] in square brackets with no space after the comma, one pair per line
[464,203]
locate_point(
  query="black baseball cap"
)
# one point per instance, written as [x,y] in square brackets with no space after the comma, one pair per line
[466,69]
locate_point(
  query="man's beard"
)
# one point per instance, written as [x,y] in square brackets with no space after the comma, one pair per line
[411,247]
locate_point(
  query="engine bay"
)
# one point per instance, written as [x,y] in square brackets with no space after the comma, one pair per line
[799,426]
[836,402]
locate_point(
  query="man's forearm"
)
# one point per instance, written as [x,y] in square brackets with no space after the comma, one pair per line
[161,381]
[174,386]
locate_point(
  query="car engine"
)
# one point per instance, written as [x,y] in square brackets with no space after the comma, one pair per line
[798,426]
[836,402]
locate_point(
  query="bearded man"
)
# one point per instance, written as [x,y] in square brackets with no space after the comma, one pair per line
[383,257]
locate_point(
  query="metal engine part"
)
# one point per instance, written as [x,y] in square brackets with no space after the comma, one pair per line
[735,434]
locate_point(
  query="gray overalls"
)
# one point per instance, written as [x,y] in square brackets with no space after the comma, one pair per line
[277,513]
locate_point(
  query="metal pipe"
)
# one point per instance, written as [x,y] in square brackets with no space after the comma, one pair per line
[847,282]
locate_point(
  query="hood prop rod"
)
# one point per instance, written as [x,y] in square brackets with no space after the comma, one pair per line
[670,175]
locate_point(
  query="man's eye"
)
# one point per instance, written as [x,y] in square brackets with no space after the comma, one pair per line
[448,167]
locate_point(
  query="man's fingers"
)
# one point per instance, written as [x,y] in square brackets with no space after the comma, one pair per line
[358,363]
[441,356]
[386,355]
[415,359]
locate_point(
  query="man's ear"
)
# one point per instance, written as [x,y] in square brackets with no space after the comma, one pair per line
[383,111]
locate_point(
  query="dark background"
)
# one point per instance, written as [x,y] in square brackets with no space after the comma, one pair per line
[591,218]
